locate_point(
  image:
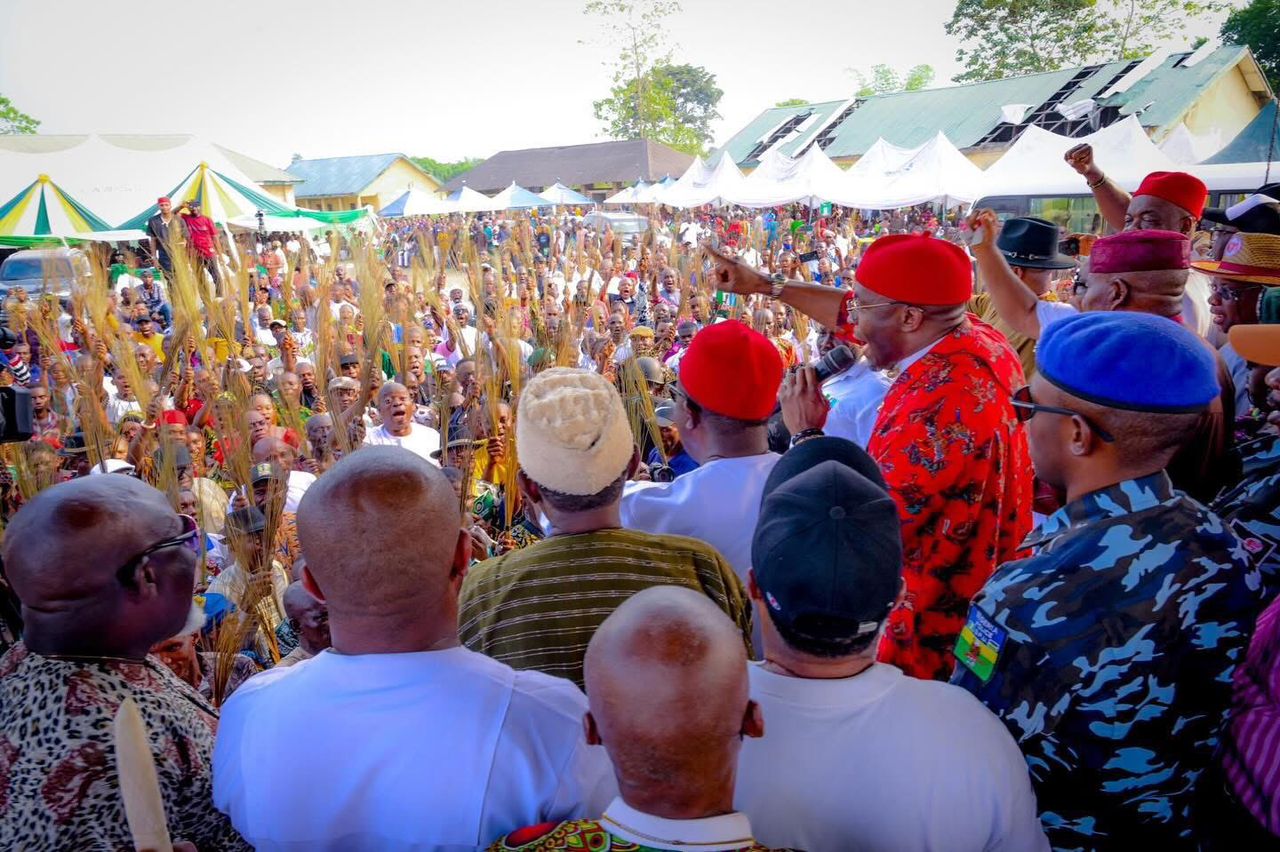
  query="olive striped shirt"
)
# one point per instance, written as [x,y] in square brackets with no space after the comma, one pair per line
[538,607]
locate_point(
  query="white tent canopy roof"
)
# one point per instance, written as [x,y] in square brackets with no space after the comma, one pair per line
[936,171]
[1034,164]
[700,185]
[811,178]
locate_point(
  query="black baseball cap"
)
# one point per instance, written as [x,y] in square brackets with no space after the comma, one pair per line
[347,360]
[245,521]
[1257,214]
[827,552]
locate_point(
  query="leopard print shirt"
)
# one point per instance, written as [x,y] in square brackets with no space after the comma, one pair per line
[58,787]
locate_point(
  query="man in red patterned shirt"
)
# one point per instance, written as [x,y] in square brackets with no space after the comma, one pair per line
[947,441]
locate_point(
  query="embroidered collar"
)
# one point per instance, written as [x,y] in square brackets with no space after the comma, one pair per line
[710,834]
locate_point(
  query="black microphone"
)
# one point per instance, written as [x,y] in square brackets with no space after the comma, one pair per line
[835,362]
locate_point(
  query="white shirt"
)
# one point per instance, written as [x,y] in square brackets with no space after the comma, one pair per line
[717,503]
[722,833]
[856,396]
[882,762]
[299,482]
[435,750]
[421,440]
[1195,303]
[1047,313]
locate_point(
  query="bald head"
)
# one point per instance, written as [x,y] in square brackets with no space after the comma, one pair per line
[64,552]
[274,450]
[666,678]
[382,534]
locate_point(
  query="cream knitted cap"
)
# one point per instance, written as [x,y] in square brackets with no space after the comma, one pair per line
[572,434]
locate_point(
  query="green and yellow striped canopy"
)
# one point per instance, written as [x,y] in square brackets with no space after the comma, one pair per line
[221,198]
[42,209]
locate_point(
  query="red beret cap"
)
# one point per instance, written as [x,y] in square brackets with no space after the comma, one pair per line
[1177,188]
[732,370]
[169,417]
[919,270]
[1141,251]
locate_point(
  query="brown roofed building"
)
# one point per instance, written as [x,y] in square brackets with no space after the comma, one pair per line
[597,169]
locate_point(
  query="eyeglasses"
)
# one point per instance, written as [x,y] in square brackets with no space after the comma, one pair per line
[1078,283]
[855,305]
[189,537]
[1024,407]
[1234,291]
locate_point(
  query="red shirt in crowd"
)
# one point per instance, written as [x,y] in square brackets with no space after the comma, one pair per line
[956,460]
[203,234]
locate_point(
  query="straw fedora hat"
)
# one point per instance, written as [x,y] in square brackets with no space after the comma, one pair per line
[1248,257]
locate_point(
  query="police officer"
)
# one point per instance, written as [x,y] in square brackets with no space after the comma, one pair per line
[1108,652]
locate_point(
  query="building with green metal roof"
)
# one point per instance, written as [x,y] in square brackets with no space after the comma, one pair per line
[1212,89]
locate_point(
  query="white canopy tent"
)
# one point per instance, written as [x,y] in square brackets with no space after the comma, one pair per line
[936,171]
[467,200]
[811,178]
[881,158]
[516,197]
[560,194]
[630,195]
[1184,147]
[705,186]
[1034,164]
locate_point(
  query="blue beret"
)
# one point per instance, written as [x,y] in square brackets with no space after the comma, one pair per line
[1132,361]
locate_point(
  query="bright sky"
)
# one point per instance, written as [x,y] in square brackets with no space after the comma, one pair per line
[425,77]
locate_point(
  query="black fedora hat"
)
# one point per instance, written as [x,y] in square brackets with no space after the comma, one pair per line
[1032,243]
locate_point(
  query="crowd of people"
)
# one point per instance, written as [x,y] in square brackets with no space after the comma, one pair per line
[755,530]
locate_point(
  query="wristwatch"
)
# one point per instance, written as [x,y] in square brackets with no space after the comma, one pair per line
[778,280]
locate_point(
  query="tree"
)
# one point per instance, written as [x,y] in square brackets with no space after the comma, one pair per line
[1005,38]
[13,120]
[1258,25]
[634,28]
[673,104]
[445,172]
[792,102]
[1134,28]
[885,80]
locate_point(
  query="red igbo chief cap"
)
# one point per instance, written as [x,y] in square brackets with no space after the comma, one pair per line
[1177,188]
[917,269]
[173,417]
[1141,251]
[732,370]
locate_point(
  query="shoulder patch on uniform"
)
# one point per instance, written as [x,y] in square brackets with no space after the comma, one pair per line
[978,646]
[1257,545]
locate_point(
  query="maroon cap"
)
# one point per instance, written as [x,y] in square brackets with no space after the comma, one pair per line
[1141,251]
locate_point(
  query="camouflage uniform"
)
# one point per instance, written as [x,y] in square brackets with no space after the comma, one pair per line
[1109,655]
[1251,509]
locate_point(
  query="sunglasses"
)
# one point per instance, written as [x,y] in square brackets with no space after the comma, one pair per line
[189,538]
[1024,407]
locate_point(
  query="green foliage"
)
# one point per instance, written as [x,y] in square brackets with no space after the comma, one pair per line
[1005,38]
[634,30]
[445,172]
[791,102]
[1258,25]
[652,97]
[14,120]
[1134,28]
[672,104]
[885,80]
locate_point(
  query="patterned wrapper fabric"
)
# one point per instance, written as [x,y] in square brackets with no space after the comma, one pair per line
[956,461]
